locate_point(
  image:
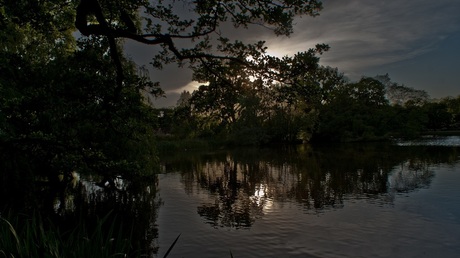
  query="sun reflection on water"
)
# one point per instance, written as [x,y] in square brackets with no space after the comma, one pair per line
[261,198]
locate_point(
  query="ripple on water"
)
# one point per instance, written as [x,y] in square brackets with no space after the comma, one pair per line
[422,223]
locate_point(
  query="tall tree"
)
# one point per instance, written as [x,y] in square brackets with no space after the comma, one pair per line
[402,95]
[453,107]
[60,109]
[355,111]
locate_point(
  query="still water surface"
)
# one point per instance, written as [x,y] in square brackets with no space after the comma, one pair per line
[368,200]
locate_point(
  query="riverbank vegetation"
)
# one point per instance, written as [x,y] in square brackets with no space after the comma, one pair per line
[330,109]
[34,236]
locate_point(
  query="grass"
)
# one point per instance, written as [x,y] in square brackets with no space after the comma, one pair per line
[23,236]
[32,236]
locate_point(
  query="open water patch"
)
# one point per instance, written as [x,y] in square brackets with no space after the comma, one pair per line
[432,140]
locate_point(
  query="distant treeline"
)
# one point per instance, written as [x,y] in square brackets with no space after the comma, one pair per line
[329,109]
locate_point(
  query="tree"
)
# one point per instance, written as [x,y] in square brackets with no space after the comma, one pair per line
[184,99]
[367,91]
[402,95]
[354,111]
[218,101]
[300,101]
[189,33]
[405,96]
[60,106]
[407,116]
[438,116]
[194,25]
[406,121]
[453,108]
[31,38]
[279,108]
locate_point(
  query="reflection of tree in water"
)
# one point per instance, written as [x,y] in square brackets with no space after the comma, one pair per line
[410,175]
[75,201]
[233,206]
[245,184]
[310,178]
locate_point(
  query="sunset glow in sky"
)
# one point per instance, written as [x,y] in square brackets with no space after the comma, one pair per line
[417,42]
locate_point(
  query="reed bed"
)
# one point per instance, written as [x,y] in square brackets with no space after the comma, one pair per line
[32,236]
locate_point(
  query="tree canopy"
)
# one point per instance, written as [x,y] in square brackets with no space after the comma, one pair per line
[60,105]
[73,101]
[190,31]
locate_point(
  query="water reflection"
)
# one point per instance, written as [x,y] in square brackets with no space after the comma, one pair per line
[244,184]
[432,140]
[235,205]
[410,175]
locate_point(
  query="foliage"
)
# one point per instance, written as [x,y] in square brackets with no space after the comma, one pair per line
[453,108]
[37,237]
[78,127]
[438,116]
[76,105]
[400,94]
[356,111]
[60,105]
[377,108]
[323,106]
[190,31]
[406,122]
[244,110]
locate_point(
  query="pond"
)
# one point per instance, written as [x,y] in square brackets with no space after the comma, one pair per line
[347,200]
[357,200]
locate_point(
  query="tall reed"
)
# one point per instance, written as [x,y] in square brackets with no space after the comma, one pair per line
[32,236]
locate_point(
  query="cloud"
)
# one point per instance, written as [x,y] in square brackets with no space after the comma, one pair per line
[362,35]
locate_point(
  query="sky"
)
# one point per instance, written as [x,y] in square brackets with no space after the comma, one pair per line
[417,42]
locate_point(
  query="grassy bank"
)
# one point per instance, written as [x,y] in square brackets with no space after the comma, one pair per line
[33,236]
